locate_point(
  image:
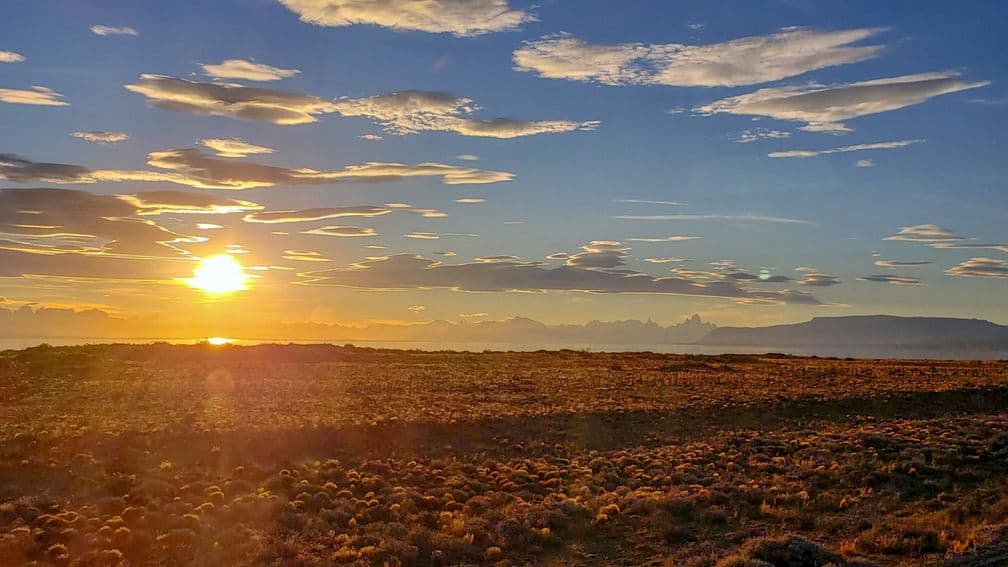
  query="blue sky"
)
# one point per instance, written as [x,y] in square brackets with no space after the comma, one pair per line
[611,111]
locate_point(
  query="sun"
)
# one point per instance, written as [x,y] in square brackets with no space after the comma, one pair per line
[219,274]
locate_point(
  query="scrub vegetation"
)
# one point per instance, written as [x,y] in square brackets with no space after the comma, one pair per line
[319,455]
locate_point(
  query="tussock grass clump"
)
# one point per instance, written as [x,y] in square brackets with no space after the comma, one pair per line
[323,456]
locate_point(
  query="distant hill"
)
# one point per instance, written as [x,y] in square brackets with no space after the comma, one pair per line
[524,330]
[49,322]
[868,330]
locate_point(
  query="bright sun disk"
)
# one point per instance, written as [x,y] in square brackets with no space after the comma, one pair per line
[219,274]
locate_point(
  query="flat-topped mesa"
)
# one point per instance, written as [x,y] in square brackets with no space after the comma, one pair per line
[869,330]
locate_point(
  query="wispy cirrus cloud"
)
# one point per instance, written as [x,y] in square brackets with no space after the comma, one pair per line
[744,217]
[422,235]
[410,112]
[664,260]
[193,168]
[305,215]
[180,202]
[463,19]
[744,61]
[304,256]
[980,268]
[673,238]
[113,30]
[35,96]
[823,108]
[101,136]
[647,202]
[351,231]
[844,149]
[247,70]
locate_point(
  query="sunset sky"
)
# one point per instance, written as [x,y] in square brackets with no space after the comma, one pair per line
[393,160]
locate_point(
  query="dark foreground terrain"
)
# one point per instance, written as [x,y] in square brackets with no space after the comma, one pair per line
[309,455]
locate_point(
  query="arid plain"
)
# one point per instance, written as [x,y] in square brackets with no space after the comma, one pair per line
[314,455]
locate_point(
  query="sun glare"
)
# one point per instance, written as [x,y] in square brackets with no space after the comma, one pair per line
[219,274]
[218,341]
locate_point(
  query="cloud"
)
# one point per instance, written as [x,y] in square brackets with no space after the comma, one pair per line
[193,168]
[11,57]
[111,30]
[409,112]
[675,238]
[941,238]
[744,61]
[401,113]
[19,169]
[247,70]
[467,157]
[890,279]
[422,235]
[469,200]
[234,101]
[180,202]
[756,134]
[823,108]
[746,217]
[969,245]
[342,231]
[304,215]
[304,256]
[600,254]
[664,260]
[815,279]
[64,221]
[405,271]
[898,264]
[93,266]
[647,202]
[233,147]
[463,19]
[864,163]
[371,137]
[416,308]
[763,276]
[926,233]
[980,268]
[37,96]
[855,148]
[479,315]
[101,136]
